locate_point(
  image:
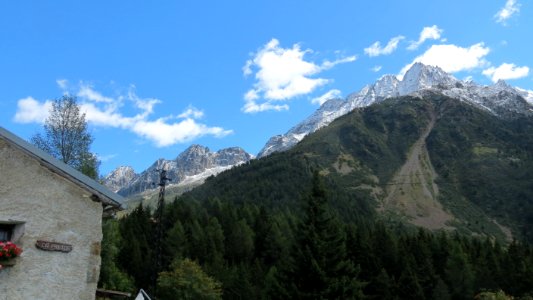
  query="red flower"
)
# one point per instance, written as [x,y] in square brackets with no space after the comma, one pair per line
[9,250]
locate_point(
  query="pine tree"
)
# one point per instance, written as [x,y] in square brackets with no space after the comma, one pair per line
[383,286]
[174,244]
[136,255]
[320,268]
[459,274]
[214,238]
[441,291]
[111,276]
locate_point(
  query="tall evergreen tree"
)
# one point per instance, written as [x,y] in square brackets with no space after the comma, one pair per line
[111,276]
[459,274]
[320,267]
[136,255]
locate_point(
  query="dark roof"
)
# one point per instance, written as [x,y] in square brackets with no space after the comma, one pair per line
[99,192]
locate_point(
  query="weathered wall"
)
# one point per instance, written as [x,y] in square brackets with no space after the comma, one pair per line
[54,209]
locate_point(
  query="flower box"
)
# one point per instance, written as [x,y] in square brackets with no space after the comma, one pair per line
[8,263]
[8,253]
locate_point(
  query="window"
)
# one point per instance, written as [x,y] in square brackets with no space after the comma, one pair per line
[11,230]
[6,230]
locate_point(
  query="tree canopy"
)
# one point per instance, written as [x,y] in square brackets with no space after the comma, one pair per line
[66,136]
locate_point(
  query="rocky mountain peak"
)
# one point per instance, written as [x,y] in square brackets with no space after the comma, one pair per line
[120,177]
[500,99]
[228,156]
[194,151]
[421,76]
[188,166]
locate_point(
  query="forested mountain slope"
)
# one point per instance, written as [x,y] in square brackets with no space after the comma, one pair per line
[428,160]
[335,217]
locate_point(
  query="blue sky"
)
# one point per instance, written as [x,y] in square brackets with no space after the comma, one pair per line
[156,77]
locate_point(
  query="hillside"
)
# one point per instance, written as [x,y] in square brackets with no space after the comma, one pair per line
[430,160]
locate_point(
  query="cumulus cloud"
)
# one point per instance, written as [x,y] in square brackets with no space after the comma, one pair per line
[282,74]
[165,134]
[30,110]
[192,112]
[376,49]
[106,112]
[452,58]
[506,71]
[328,95]
[511,7]
[433,33]
[87,92]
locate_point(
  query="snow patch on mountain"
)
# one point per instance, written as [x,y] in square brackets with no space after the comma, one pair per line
[201,177]
[195,163]
[498,98]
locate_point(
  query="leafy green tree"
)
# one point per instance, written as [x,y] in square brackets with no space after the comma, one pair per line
[186,280]
[499,295]
[66,136]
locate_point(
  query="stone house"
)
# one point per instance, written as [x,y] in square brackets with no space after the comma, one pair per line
[54,213]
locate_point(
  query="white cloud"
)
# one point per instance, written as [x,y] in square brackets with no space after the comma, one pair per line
[105,111]
[511,7]
[247,69]
[427,33]
[506,71]
[62,83]
[376,49]
[165,134]
[282,74]
[376,69]
[192,112]
[328,95]
[330,64]
[30,110]
[452,58]
[253,107]
[146,105]
[87,92]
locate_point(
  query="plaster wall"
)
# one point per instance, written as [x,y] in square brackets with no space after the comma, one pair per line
[53,209]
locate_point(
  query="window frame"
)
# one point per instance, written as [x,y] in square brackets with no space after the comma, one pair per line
[14,229]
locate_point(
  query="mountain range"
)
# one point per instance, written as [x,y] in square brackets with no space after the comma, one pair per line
[197,163]
[425,160]
[191,166]
[449,155]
